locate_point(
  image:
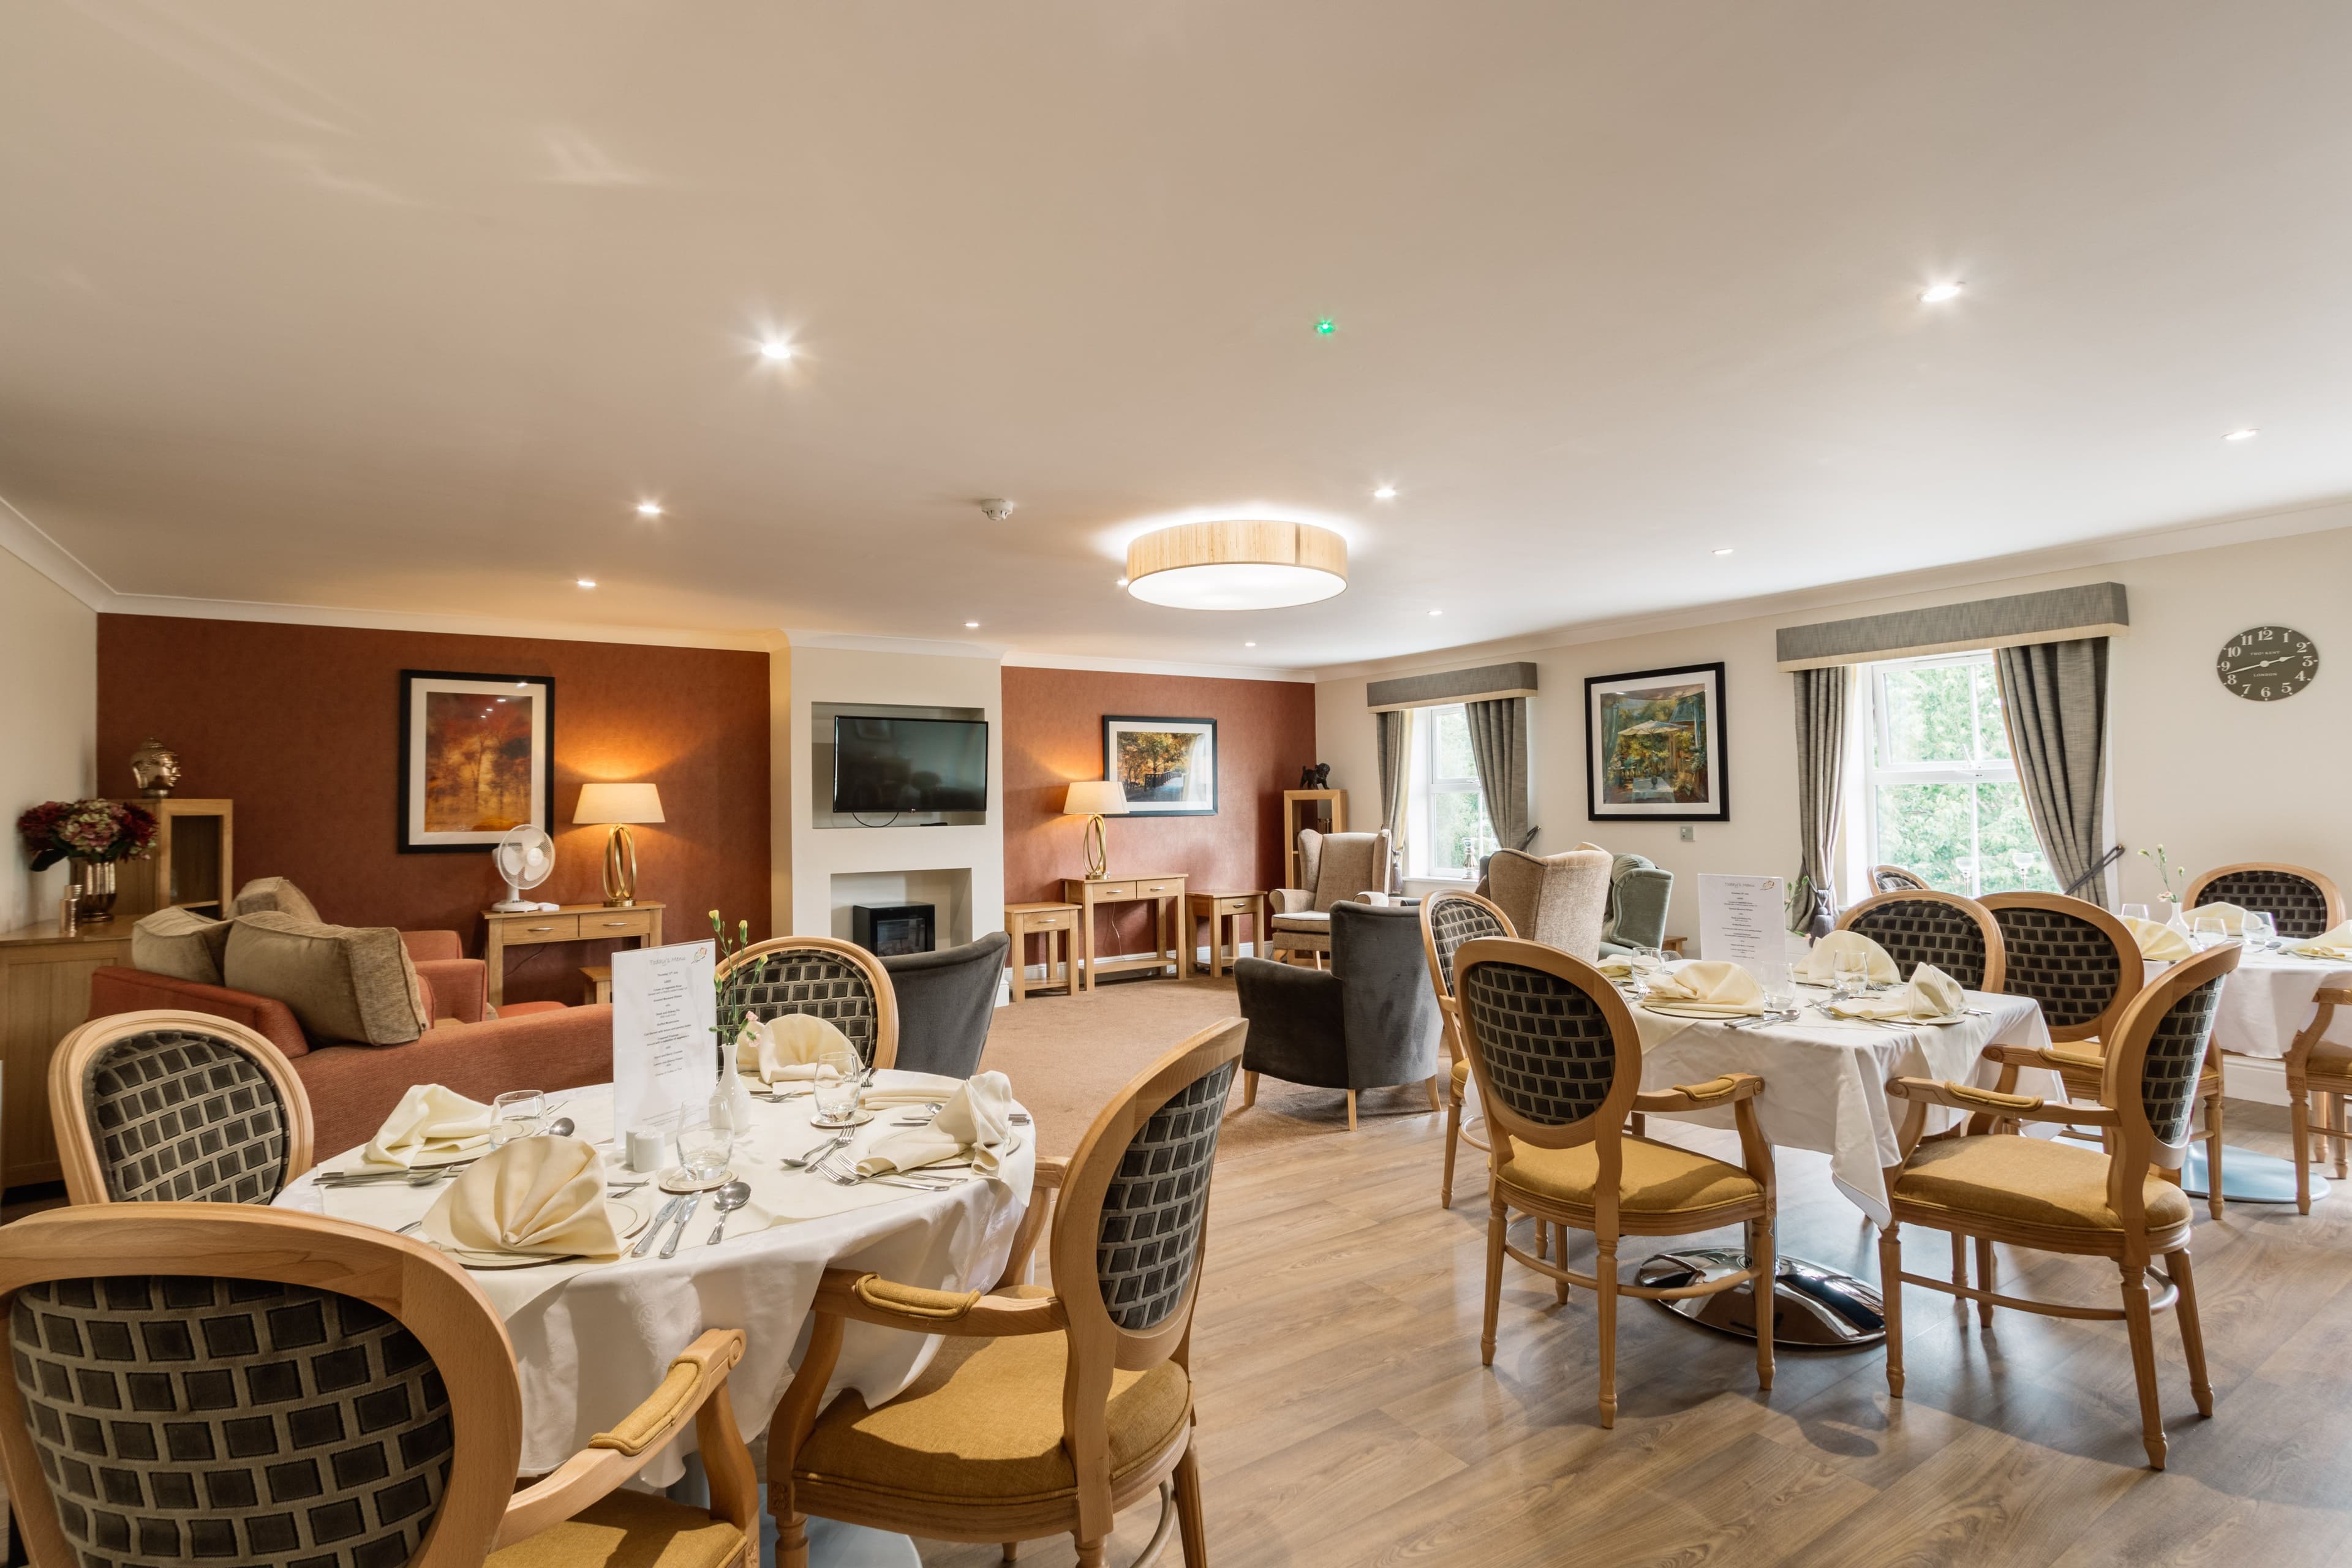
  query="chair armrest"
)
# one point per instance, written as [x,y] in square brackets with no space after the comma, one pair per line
[432,946]
[1724,1091]
[2333,996]
[695,1389]
[2003,1107]
[864,1297]
[1291,901]
[457,988]
[1052,1172]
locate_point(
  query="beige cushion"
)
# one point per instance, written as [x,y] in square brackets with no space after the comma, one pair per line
[346,984]
[627,1530]
[1655,1178]
[273,896]
[1315,922]
[2329,1059]
[181,943]
[1339,866]
[2036,1180]
[983,1423]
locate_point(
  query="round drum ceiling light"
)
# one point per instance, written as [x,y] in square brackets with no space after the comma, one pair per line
[1237,564]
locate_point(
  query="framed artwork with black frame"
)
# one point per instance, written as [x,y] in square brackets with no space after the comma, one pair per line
[1164,767]
[1654,746]
[476,758]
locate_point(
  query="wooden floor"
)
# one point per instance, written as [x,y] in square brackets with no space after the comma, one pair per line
[1345,1418]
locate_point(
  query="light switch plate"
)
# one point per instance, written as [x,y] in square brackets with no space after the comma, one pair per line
[1686,833]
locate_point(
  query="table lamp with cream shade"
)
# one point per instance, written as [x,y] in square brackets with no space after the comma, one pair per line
[1094,799]
[619,805]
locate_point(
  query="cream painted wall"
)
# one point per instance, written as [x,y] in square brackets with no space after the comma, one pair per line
[2213,777]
[49,721]
[818,855]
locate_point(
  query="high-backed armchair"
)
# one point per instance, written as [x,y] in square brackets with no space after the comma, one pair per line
[1336,868]
[1368,1021]
[2302,902]
[820,975]
[1561,900]
[1639,891]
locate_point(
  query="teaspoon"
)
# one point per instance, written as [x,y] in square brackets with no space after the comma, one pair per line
[730,1197]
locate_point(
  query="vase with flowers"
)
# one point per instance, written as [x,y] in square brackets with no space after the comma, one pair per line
[2176,883]
[93,835]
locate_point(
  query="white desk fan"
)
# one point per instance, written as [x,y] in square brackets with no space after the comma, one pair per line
[525,858]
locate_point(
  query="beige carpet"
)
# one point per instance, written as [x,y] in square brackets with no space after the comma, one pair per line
[1068,1056]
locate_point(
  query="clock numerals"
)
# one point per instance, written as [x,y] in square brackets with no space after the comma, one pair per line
[2265,664]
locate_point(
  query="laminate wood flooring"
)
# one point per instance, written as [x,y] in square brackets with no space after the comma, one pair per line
[1345,1418]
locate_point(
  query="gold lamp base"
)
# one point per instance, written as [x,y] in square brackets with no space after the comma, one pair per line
[620,869]
[1098,850]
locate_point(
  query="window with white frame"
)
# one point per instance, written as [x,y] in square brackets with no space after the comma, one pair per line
[1941,797]
[1448,833]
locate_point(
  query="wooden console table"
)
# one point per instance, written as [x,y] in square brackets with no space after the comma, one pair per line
[573,922]
[1170,922]
[44,997]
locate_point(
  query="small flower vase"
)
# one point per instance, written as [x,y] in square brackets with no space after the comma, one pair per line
[93,884]
[731,1102]
[2173,921]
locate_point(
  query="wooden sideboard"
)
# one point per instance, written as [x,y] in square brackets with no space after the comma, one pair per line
[640,922]
[44,997]
[1171,923]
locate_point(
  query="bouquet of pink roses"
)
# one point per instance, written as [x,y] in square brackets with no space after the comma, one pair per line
[85,830]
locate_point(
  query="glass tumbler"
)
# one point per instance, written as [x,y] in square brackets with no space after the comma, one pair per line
[517,1113]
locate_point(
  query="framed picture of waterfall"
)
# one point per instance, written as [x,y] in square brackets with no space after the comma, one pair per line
[1165,767]
[1654,745]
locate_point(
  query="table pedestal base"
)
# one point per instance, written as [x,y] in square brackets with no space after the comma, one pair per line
[1814,1307]
[2247,1177]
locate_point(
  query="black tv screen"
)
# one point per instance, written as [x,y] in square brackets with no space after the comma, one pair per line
[882,766]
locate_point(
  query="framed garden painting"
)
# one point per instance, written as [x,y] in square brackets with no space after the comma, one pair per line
[1654,745]
[1165,767]
[477,758]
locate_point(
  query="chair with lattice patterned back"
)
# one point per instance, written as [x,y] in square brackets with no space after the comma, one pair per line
[1046,1411]
[1897,879]
[172,1107]
[2301,901]
[836,980]
[1957,935]
[244,1386]
[1448,921]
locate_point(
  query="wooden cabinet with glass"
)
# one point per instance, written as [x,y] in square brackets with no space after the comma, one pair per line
[191,868]
[1324,810]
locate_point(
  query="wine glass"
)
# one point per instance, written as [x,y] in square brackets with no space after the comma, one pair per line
[517,1113]
[2134,911]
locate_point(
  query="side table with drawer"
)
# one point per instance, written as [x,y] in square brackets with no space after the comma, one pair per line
[1171,922]
[640,922]
[1059,924]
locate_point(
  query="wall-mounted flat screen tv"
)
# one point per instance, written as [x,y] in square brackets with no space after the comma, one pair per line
[882,766]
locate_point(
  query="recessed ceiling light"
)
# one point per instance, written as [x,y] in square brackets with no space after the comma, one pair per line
[1120,584]
[1724,550]
[587,582]
[971,625]
[2246,434]
[776,349]
[1386,493]
[1249,645]
[1940,293]
[649,509]
[1437,612]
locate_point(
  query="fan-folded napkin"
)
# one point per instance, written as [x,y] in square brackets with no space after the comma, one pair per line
[2336,943]
[2235,922]
[910,1089]
[977,1119]
[1617,966]
[429,1122]
[540,1196]
[2158,943]
[1932,993]
[790,1046]
[1710,986]
[1819,966]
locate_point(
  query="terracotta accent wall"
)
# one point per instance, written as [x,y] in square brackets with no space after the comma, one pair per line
[300,727]
[1053,735]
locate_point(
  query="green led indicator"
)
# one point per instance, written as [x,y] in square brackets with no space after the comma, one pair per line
[1325,327]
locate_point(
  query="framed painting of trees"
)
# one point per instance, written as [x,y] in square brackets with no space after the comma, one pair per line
[1165,767]
[477,758]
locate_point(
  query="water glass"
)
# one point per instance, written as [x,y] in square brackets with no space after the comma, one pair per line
[840,1073]
[2134,911]
[2207,931]
[2262,929]
[517,1113]
[1849,973]
[702,1152]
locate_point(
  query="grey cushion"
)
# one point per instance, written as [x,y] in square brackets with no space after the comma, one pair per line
[273,896]
[946,1001]
[346,984]
[181,943]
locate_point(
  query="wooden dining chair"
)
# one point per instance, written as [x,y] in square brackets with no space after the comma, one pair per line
[2317,1065]
[2125,1204]
[2301,901]
[1558,1064]
[164,1105]
[1048,1411]
[246,1386]
[1897,879]
[1957,935]
[836,980]
[2082,966]
[1448,921]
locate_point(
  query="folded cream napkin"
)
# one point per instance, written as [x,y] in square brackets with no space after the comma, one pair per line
[1617,965]
[1819,966]
[772,1049]
[976,1120]
[1707,986]
[1932,993]
[429,1123]
[2158,943]
[541,1197]
[2235,922]
[2336,943]
[909,1088]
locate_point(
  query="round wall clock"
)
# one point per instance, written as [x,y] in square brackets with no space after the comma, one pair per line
[2264,664]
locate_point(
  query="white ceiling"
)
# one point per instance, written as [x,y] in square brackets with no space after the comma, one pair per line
[402,307]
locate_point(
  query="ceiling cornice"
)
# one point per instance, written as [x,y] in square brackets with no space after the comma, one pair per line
[1021,659]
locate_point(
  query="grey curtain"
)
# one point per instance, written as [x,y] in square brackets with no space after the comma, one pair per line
[1499,744]
[1821,794]
[2055,694]
[1394,772]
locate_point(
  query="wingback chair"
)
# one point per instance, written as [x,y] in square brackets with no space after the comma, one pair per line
[1561,900]
[2303,902]
[1337,868]
[836,980]
[1365,1023]
[1639,892]
[946,1001]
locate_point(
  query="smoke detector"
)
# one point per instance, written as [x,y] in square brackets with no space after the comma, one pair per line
[996,509]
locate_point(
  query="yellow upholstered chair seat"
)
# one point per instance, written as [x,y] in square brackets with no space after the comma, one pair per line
[2034,1181]
[983,1423]
[628,1529]
[2329,1059]
[1657,1178]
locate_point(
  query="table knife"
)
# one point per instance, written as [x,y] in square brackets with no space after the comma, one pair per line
[685,1218]
[662,1217]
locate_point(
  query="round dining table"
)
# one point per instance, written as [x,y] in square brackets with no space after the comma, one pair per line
[592,1338]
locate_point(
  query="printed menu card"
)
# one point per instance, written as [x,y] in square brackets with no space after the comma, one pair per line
[1741,918]
[665,1047]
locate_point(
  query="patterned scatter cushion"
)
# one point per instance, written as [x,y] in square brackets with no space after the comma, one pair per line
[2294,902]
[181,943]
[179,1116]
[1920,931]
[2063,961]
[346,984]
[810,980]
[183,1419]
[1550,1053]
[1150,1240]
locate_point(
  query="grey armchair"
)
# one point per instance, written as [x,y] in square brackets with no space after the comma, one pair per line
[1370,1020]
[946,1000]
[1638,894]
[1336,868]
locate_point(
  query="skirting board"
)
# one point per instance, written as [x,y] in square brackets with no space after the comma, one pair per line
[1036,972]
[2261,1080]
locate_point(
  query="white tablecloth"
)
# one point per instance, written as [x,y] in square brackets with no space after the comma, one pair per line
[1825,1079]
[2267,1000]
[593,1340]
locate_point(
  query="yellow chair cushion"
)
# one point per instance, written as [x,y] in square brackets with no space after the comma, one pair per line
[2035,1181]
[983,1423]
[627,1530]
[1657,1178]
[2329,1059]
